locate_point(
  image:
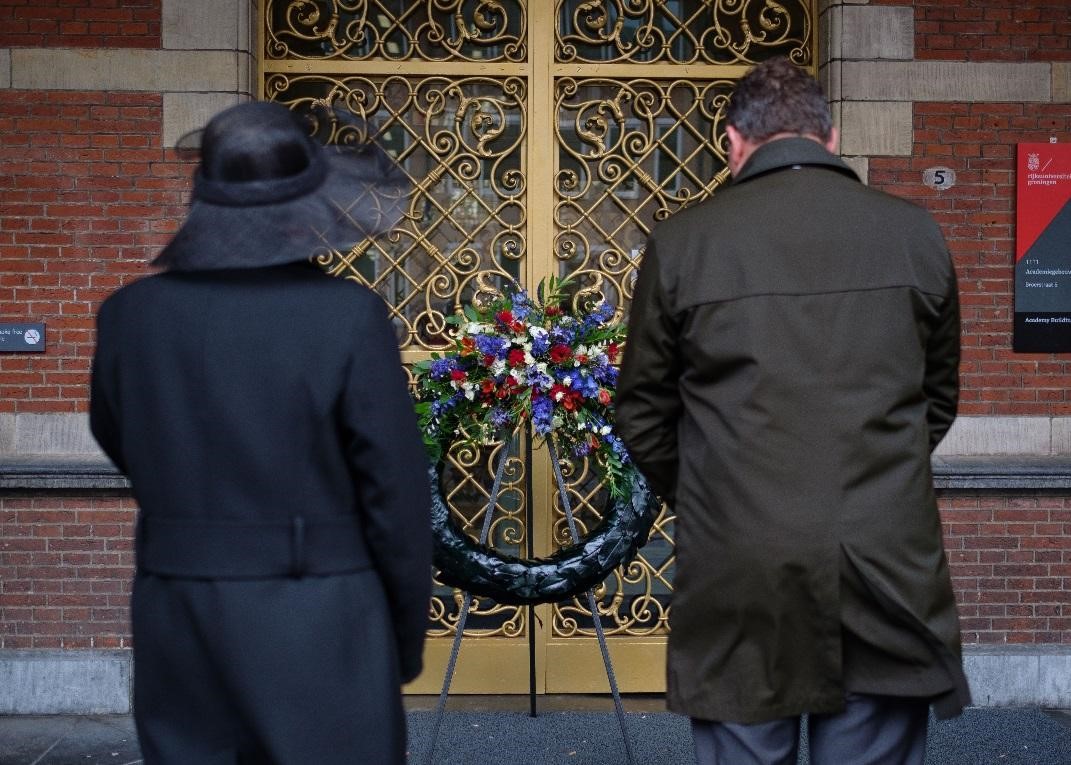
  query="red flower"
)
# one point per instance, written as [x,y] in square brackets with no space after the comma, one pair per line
[488,359]
[552,310]
[611,352]
[517,326]
[582,358]
[604,396]
[457,375]
[505,317]
[516,358]
[468,346]
[568,399]
[560,352]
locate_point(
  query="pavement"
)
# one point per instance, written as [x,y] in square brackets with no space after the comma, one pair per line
[578,730]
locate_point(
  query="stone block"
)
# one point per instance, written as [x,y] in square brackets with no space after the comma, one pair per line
[1061,82]
[247,74]
[5,68]
[829,30]
[1025,436]
[876,32]
[201,24]
[49,434]
[1013,676]
[946,81]
[184,112]
[65,682]
[829,79]
[875,128]
[7,433]
[1061,436]
[153,71]
[247,26]
[861,166]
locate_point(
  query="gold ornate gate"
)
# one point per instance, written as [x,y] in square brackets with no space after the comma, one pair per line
[541,137]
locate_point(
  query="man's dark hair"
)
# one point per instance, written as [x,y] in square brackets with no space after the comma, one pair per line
[777,96]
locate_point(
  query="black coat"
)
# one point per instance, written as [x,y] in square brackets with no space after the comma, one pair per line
[792,359]
[263,419]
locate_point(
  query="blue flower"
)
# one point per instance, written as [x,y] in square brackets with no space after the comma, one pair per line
[540,344]
[606,374]
[440,368]
[542,415]
[492,345]
[521,306]
[499,417]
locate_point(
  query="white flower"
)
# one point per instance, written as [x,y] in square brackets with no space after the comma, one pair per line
[556,421]
[498,367]
[529,359]
[604,430]
[536,332]
[567,381]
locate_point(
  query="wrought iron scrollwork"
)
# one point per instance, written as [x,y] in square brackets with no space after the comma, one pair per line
[463,238]
[630,154]
[683,31]
[397,30]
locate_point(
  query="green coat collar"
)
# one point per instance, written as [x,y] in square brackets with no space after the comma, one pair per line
[787,152]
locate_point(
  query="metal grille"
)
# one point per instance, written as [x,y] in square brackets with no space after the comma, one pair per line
[540,138]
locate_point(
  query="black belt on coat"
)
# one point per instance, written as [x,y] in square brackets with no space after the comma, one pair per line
[217,549]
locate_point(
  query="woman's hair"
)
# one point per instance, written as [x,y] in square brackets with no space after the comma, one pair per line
[777,96]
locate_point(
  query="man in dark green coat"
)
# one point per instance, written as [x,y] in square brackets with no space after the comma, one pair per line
[792,361]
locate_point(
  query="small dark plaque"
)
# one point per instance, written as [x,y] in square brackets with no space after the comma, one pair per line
[22,338]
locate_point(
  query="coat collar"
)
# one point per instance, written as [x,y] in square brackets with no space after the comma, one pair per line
[787,152]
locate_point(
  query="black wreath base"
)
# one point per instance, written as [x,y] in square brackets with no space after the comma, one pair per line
[475,568]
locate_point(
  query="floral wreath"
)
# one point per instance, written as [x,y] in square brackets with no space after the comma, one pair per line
[517,360]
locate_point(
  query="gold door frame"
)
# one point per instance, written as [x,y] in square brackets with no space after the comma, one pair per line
[542,137]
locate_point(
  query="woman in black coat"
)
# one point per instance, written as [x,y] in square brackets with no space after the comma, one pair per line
[261,413]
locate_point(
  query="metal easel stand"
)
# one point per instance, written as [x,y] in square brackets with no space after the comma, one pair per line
[467,603]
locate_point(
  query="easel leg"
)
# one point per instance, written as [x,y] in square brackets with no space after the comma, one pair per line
[465,605]
[567,508]
[451,664]
[610,674]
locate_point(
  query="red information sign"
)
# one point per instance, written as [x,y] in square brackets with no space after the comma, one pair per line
[1043,249]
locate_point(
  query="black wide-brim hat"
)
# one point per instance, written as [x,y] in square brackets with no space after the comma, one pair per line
[273,187]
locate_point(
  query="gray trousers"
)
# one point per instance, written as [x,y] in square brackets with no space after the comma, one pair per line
[872,730]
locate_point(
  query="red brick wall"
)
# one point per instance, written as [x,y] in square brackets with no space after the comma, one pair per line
[65,564]
[80,24]
[65,569]
[990,30]
[88,196]
[1011,566]
[977,140]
